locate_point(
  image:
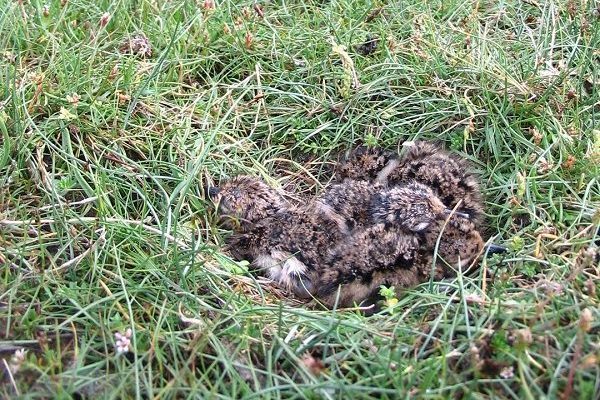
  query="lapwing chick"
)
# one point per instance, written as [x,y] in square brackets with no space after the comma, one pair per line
[357,267]
[245,200]
[450,176]
[412,206]
[450,235]
[348,203]
[384,250]
[457,244]
[380,255]
[284,241]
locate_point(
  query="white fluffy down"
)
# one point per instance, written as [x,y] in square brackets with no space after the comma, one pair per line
[281,267]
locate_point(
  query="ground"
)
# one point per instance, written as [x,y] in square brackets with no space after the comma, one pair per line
[115,115]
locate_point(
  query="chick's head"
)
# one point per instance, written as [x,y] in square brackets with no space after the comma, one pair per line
[413,207]
[461,249]
[458,244]
[245,200]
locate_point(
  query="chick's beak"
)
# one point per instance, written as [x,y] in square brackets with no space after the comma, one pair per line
[492,248]
[449,211]
[212,192]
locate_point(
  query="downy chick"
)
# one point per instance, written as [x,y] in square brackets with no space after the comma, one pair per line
[386,252]
[278,238]
[450,176]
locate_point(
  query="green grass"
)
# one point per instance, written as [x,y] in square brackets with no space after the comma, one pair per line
[104,225]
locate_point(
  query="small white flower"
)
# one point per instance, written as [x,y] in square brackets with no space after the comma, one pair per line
[20,355]
[73,98]
[507,373]
[123,341]
[550,287]
[104,19]
[16,360]
[474,298]
[66,114]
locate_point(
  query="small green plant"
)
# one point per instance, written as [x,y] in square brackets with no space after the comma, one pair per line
[370,140]
[516,243]
[389,296]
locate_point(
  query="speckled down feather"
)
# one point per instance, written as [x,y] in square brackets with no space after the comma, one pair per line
[448,175]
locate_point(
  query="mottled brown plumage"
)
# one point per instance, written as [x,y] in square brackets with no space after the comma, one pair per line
[384,223]
[380,256]
[397,248]
[348,203]
[355,204]
[283,240]
[458,245]
[412,207]
[364,164]
[244,201]
[367,260]
[311,249]
[450,176]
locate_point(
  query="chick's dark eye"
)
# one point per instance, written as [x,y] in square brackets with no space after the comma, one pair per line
[212,191]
